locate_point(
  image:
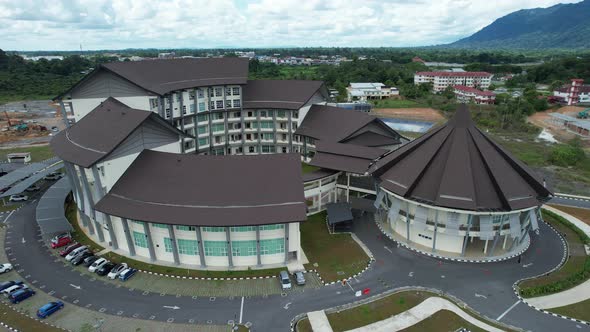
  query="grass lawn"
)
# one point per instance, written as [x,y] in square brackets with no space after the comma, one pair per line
[38,153]
[443,320]
[305,168]
[22,322]
[575,264]
[582,214]
[395,103]
[9,207]
[580,310]
[337,256]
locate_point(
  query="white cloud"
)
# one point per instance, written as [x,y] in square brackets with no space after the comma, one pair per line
[115,24]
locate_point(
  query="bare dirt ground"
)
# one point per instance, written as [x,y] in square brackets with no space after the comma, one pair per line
[32,112]
[543,120]
[418,113]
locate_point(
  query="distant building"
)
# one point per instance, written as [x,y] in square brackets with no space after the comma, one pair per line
[577,126]
[167,55]
[368,91]
[574,93]
[467,94]
[442,79]
[417,59]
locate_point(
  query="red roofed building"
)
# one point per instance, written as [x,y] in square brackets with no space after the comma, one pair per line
[418,59]
[442,79]
[467,94]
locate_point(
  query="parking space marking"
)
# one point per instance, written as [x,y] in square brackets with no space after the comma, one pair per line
[102,310]
[119,313]
[135,315]
[145,293]
[152,317]
[212,298]
[241,310]
[51,293]
[178,295]
[194,297]
[191,321]
[508,310]
[42,287]
[75,301]
[88,305]
[170,320]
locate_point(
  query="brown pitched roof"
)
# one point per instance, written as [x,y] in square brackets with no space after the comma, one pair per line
[285,94]
[345,157]
[458,166]
[98,133]
[189,189]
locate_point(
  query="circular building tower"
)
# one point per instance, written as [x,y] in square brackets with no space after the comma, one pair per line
[456,193]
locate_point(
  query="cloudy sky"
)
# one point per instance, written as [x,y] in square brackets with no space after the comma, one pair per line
[118,24]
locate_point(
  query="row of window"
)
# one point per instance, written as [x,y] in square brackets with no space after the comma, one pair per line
[219,248]
[211,229]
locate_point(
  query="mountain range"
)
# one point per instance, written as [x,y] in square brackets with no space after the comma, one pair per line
[558,26]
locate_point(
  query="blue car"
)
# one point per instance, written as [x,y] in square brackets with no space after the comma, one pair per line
[21,295]
[127,274]
[49,309]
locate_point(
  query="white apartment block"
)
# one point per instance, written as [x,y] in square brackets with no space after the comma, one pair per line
[442,79]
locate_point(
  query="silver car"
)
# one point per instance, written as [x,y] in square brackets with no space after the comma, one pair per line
[300,278]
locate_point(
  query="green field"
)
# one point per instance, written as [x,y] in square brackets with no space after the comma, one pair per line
[395,103]
[305,168]
[580,310]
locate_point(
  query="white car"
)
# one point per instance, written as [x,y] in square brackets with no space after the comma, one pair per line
[18,198]
[33,188]
[117,270]
[97,264]
[13,289]
[76,252]
[5,267]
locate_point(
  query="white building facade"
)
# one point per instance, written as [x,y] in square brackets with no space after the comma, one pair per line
[442,79]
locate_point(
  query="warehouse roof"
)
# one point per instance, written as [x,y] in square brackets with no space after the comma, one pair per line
[284,94]
[101,131]
[457,166]
[189,189]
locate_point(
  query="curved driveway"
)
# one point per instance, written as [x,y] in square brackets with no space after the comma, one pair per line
[485,287]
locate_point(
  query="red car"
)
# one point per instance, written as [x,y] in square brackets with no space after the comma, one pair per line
[61,240]
[69,249]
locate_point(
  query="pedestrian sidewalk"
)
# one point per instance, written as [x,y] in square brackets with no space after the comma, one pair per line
[319,321]
[574,295]
[422,311]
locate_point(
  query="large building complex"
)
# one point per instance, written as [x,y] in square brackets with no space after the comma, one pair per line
[370,91]
[573,93]
[143,192]
[442,79]
[465,94]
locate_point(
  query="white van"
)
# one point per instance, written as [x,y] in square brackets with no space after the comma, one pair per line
[75,252]
[285,280]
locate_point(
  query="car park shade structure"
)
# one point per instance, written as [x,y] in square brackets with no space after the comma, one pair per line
[50,209]
[23,172]
[21,186]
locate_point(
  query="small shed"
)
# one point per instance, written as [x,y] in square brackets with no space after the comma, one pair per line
[19,157]
[339,216]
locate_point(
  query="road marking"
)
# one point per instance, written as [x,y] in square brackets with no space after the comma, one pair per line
[102,309]
[24,241]
[88,305]
[145,293]
[152,317]
[508,310]
[480,295]
[388,249]
[76,287]
[135,315]
[171,307]
[75,301]
[411,274]
[286,307]
[119,313]
[527,265]
[241,310]
[170,320]
[5,219]
[191,321]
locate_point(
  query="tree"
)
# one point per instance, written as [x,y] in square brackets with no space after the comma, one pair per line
[449,92]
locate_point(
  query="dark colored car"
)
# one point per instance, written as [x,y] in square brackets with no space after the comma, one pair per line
[21,295]
[69,249]
[105,269]
[11,283]
[89,260]
[80,258]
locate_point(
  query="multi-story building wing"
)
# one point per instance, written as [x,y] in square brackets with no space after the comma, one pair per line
[204,98]
[442,79]
[467,94]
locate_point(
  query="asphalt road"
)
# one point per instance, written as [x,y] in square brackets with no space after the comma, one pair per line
[575,202]
[485,287]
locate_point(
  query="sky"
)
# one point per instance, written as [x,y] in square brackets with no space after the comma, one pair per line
[29,25]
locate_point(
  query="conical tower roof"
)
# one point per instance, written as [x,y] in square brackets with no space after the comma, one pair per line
[458,166]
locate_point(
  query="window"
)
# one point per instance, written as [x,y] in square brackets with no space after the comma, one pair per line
[219,139]
[267,136]
[186,228]
[237,103]
[243,248]
[217,116]
[203,141]
[192,108]
[218,92]
[168,244]
[201,93]
[267,149]
[243,229]
[202,107]
[263,114]
[251,149]
[270,113]
[187,247]
[228,91]
[191,95]
[202,129]
[271,227]
[218,127]
[237,115]
[160,225]
[168,113]
[272,246]
[281,114]
[154,103]
[215,248]
[219,104]
[236,91]
[214,229]
[183,109]
[284,149]
[202,117]
[250,114]
[177,96]
[266,124]
[140,239]
[212,105]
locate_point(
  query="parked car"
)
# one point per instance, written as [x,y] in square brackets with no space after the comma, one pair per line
[33,188]
[80,258]
[5,189]
[54,129]
[69,249]
[10,290]
[97,264]
[18,198]
[53,176]
[125,275]
[117,270]
[21,295]
[105,268]
[10,283]
[76,252]
[285,280]
[49,309]
[89,260]
[300,278]
[5,267]
[61,240]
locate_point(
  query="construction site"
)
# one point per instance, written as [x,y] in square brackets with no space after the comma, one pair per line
[28,123]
